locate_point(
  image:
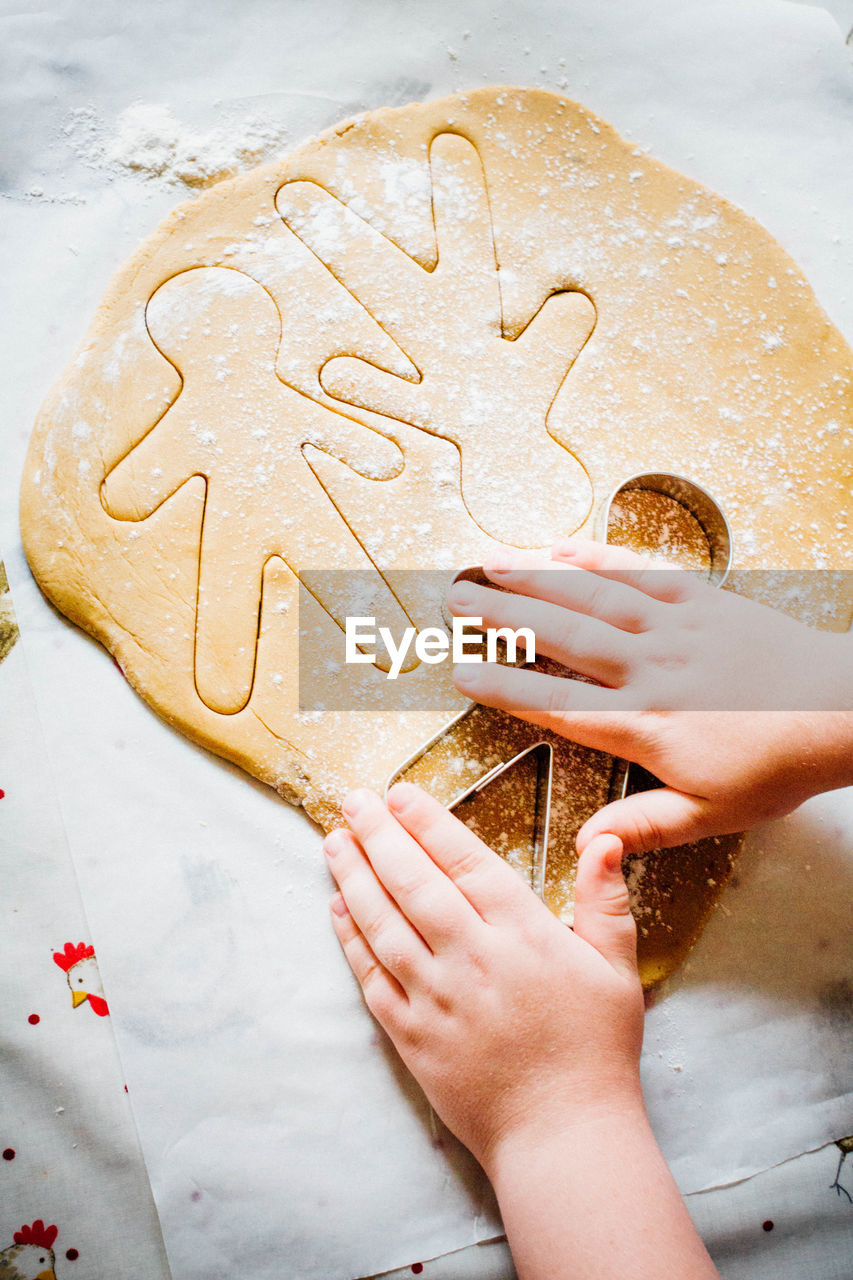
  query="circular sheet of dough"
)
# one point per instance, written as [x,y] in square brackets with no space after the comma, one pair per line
[432,331]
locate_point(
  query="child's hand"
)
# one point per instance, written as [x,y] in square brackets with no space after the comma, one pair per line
[673,654]
[510,1021]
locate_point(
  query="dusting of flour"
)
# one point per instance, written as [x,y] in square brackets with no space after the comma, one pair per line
[148,140]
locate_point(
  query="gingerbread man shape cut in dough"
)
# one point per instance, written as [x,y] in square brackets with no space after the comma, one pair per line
[237,425]
[471,384]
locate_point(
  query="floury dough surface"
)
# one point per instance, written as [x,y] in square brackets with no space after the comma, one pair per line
[434,330]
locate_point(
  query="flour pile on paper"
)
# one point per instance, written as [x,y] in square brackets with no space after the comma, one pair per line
[150,141]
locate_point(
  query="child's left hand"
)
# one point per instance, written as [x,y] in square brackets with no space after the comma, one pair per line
[511,1022]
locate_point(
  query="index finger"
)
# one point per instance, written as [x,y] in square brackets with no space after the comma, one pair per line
[618,603]
[491,886]
[426,898]
[664,582]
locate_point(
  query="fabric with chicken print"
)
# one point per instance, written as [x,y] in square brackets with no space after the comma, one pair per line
[31,1257]
[84,980]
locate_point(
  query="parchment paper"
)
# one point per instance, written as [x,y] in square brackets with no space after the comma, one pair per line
[281,1136]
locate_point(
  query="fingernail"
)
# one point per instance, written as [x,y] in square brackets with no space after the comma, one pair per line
[333,844]
[401,795]
[338,905]
[464,675]
[497,563]
[613,861]
[354,802]
[460,595]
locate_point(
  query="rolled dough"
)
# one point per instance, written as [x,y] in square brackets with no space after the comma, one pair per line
[433,331]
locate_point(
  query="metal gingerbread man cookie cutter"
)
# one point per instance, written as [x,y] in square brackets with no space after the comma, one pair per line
[713,523]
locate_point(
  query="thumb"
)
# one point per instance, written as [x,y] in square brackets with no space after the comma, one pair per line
[602,906]
[655,819]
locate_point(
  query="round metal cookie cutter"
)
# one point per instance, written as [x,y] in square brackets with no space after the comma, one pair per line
[705,510]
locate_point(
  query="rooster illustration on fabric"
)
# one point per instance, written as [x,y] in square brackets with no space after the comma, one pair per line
[84,980]
[31,1257]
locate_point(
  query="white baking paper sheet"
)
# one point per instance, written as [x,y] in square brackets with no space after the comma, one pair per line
[281,1137]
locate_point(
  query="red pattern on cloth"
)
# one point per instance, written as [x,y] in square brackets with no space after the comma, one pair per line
[72,955]
[38,1234]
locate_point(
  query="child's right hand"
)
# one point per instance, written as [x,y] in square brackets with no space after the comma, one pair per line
[669,651]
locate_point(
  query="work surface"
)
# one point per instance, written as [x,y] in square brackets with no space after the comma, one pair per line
[280,1136]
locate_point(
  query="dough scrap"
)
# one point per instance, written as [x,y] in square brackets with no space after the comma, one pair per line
[422,336]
